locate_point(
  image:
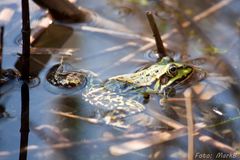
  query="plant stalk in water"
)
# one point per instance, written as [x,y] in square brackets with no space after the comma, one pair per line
[159,43]
[24,130]
[25,40]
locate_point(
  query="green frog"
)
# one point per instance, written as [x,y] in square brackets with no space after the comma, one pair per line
[123,95]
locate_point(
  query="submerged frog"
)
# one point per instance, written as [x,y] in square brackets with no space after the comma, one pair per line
[123,95]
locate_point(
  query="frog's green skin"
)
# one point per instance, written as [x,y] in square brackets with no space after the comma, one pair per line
[158,78]
[121,96]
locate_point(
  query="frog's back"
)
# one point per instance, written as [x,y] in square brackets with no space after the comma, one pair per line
[143,77]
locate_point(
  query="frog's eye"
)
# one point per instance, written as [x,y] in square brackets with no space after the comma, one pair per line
[172,70]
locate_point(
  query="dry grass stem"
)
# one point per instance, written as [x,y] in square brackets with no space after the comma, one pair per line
[159,43]
[190,124]
[69,115]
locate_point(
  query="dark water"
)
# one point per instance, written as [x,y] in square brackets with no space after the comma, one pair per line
[83,140]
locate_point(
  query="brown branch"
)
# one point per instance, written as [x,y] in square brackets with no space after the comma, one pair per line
[159,43]
[190,124]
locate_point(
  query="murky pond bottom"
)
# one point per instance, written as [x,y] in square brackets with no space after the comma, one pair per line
[65,126]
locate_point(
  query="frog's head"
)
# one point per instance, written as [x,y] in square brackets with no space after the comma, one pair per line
[177,75]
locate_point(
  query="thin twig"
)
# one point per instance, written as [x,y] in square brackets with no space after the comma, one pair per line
[69,115]
[190,124]
[159,43]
